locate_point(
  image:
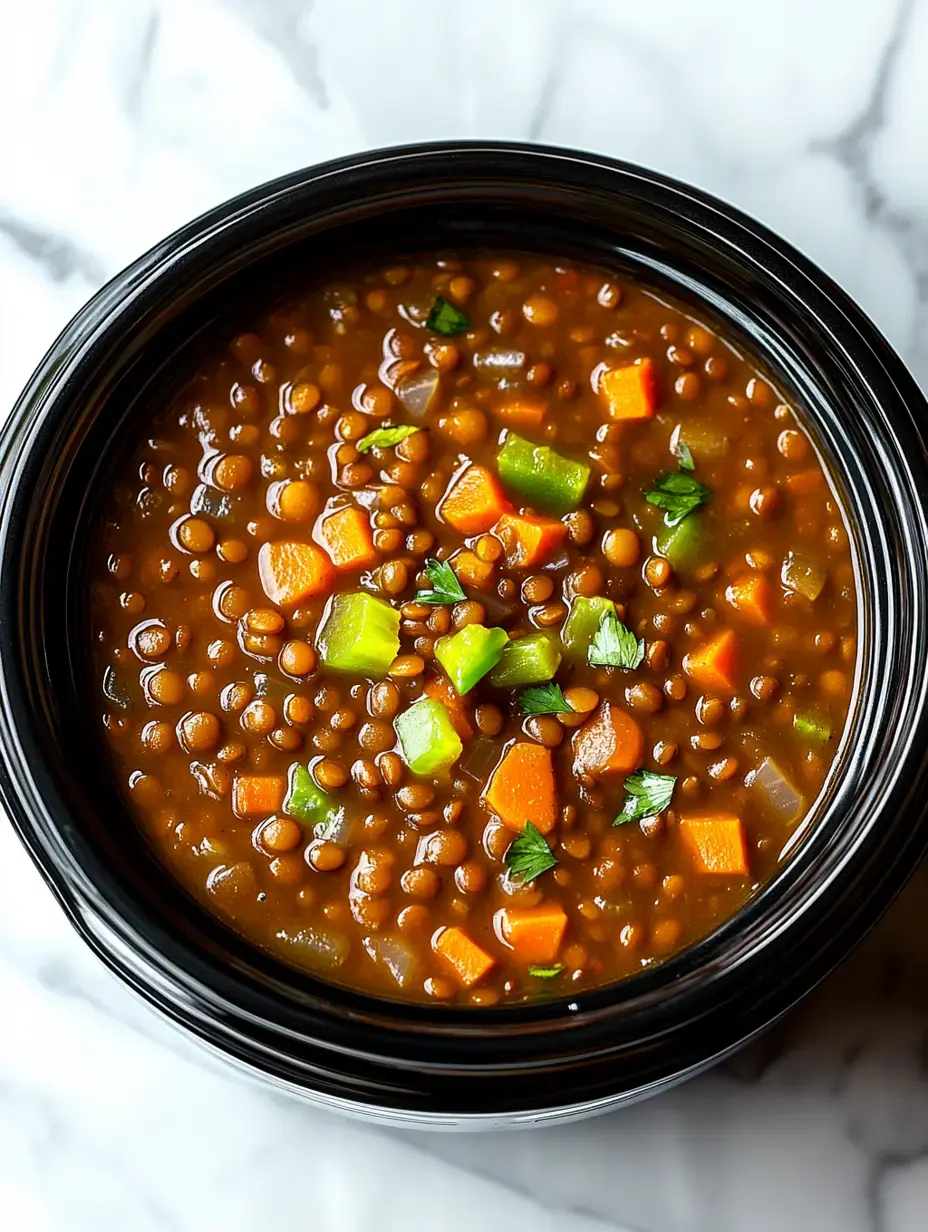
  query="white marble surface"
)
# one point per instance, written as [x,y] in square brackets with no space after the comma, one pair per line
[121,119]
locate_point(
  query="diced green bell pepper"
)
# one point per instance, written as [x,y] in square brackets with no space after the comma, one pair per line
[427,737]
[684,544]
[813,725]
[309,803]
[528,660]
[469,654]
[579,629]
[546,479]
[359,633]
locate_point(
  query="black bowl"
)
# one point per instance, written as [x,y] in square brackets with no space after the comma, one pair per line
[410,1063]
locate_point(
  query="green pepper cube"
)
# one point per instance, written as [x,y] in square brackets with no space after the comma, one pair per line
[579,629]
[308,803]
[468,655]
[547,480]
[684,544]
[359,633]
[427,737]
[528,660]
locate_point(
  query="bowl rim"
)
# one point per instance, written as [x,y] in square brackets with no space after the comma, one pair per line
[96,328]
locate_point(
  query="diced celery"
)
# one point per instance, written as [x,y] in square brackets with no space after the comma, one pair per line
[468,655]
[528,660]
[813,725]
[427,737]
[548,481]
[683,544]
[359,633]
[310,804]
[579,629]
[804,574]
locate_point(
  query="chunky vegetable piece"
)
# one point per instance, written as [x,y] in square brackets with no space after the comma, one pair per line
[529,541]
[474,501]
[359,634]
[472,629]
[346,537]
[468,655]
[716,842]
[544,478]
[293,572]
[630,392]
[428,740]
[522,788]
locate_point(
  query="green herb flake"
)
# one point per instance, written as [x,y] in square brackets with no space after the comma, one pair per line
[646,795]
[684,456]
[811,728]
[446,319]
[615,646]
[544,699]
[529,854]
[545,973]
[386,438]
[445,585]
[678,495]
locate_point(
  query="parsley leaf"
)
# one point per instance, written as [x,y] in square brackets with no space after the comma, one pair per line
[684,456]
[446,587]
[544,699]
[677,495]
[646,795]
[384,438]
[615,646]
[529,854]
[446,319]
[546,973]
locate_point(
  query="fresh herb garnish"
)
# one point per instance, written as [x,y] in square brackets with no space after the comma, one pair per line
[529,854]
[646,795]
[384,438]
[684,456]
[445,585]
[615,646]
[545,973]
[678,495]
[544,699]
[446,319]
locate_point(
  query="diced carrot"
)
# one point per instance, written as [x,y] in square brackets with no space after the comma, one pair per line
[533,933]
[443,691]
[470,569]
[257,794]
[521,788]
[292,572]
[529,540]
[713,664]
[522,410]
[716,842]
[346,536]
[469,961]
[751,595]
[804,483]
[609,742]
[630,392]
[474,502]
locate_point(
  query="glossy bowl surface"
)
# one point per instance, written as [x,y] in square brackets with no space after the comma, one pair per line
[407,1063]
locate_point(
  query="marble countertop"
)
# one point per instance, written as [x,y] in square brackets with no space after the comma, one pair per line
[122,119]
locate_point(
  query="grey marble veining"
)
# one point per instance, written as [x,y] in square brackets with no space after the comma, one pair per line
[123,118]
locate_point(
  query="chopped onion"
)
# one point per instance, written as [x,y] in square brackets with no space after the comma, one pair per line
[497,358]
[417,391]
[214,504]
[317,947]
[395,954]
[335,829]
[803,574]
[479,759]
[706,440]
[776,790]
[229,882]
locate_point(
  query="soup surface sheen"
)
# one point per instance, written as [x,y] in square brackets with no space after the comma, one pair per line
[518,700]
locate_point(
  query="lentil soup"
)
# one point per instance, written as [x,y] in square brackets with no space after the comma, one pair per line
[474,630]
